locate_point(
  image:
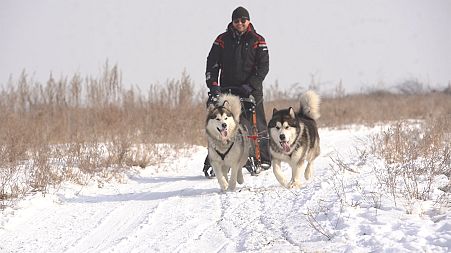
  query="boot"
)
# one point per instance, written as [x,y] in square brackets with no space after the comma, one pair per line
[252,167]
[266,165]
[208,170]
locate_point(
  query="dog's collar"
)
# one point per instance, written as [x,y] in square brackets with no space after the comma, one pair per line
[224,155]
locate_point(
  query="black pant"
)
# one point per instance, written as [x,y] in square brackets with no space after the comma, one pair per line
[262,128]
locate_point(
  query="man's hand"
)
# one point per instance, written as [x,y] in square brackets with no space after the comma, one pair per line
[246,89]
[215,91]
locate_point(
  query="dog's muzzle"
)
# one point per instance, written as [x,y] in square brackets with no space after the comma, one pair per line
[223,130]
[285,146]
[284,143]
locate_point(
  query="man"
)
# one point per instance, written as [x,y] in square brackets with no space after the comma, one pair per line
[239,59]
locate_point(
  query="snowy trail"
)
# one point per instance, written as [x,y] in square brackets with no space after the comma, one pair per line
[178,210]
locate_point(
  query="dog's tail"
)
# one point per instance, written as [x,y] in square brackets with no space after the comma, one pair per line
[310,101]
[233,104]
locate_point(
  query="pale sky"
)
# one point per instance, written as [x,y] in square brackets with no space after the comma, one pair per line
[364,43]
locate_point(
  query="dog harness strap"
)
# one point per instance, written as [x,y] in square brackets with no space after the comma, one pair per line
[224,155]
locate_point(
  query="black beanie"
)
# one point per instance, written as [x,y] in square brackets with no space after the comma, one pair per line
[240,12]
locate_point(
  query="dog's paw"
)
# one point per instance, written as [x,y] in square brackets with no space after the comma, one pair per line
[224,186]
[284,184]
[294,185]
[232,186]
[231,189]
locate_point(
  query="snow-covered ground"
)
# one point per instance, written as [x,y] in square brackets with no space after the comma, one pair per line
[173,208]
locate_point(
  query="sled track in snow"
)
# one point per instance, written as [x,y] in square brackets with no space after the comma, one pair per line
[176,209]
[179,211]
[255,217]
[172,213]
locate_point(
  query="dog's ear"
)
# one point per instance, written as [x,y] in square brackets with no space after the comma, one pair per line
[211,107]
[274,111]
[226,105]
[292,114]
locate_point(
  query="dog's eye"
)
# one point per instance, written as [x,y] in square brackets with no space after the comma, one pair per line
[218,119]
[225,118]
[277,127]
[287,127]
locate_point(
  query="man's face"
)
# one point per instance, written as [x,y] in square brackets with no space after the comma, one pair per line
[241,24]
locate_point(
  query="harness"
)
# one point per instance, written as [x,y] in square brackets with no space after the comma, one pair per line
[240,133]
[224,155]
[253,121]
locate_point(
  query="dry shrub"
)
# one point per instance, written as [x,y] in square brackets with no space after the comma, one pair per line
[78,128]
[414,155]
[408,164]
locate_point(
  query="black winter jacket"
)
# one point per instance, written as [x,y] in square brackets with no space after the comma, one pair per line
[241,59]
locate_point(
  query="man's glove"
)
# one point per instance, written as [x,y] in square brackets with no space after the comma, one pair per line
[215,90]
[213,95]
[246,89]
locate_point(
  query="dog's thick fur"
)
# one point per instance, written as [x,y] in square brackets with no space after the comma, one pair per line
[228,147]
[294,138]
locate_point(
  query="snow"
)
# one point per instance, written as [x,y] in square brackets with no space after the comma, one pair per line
[173,208]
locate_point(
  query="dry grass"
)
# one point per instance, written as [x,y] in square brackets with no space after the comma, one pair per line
[376,107]
[76,129]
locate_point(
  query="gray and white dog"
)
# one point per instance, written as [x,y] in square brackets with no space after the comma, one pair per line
[228,146]
[294,138]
